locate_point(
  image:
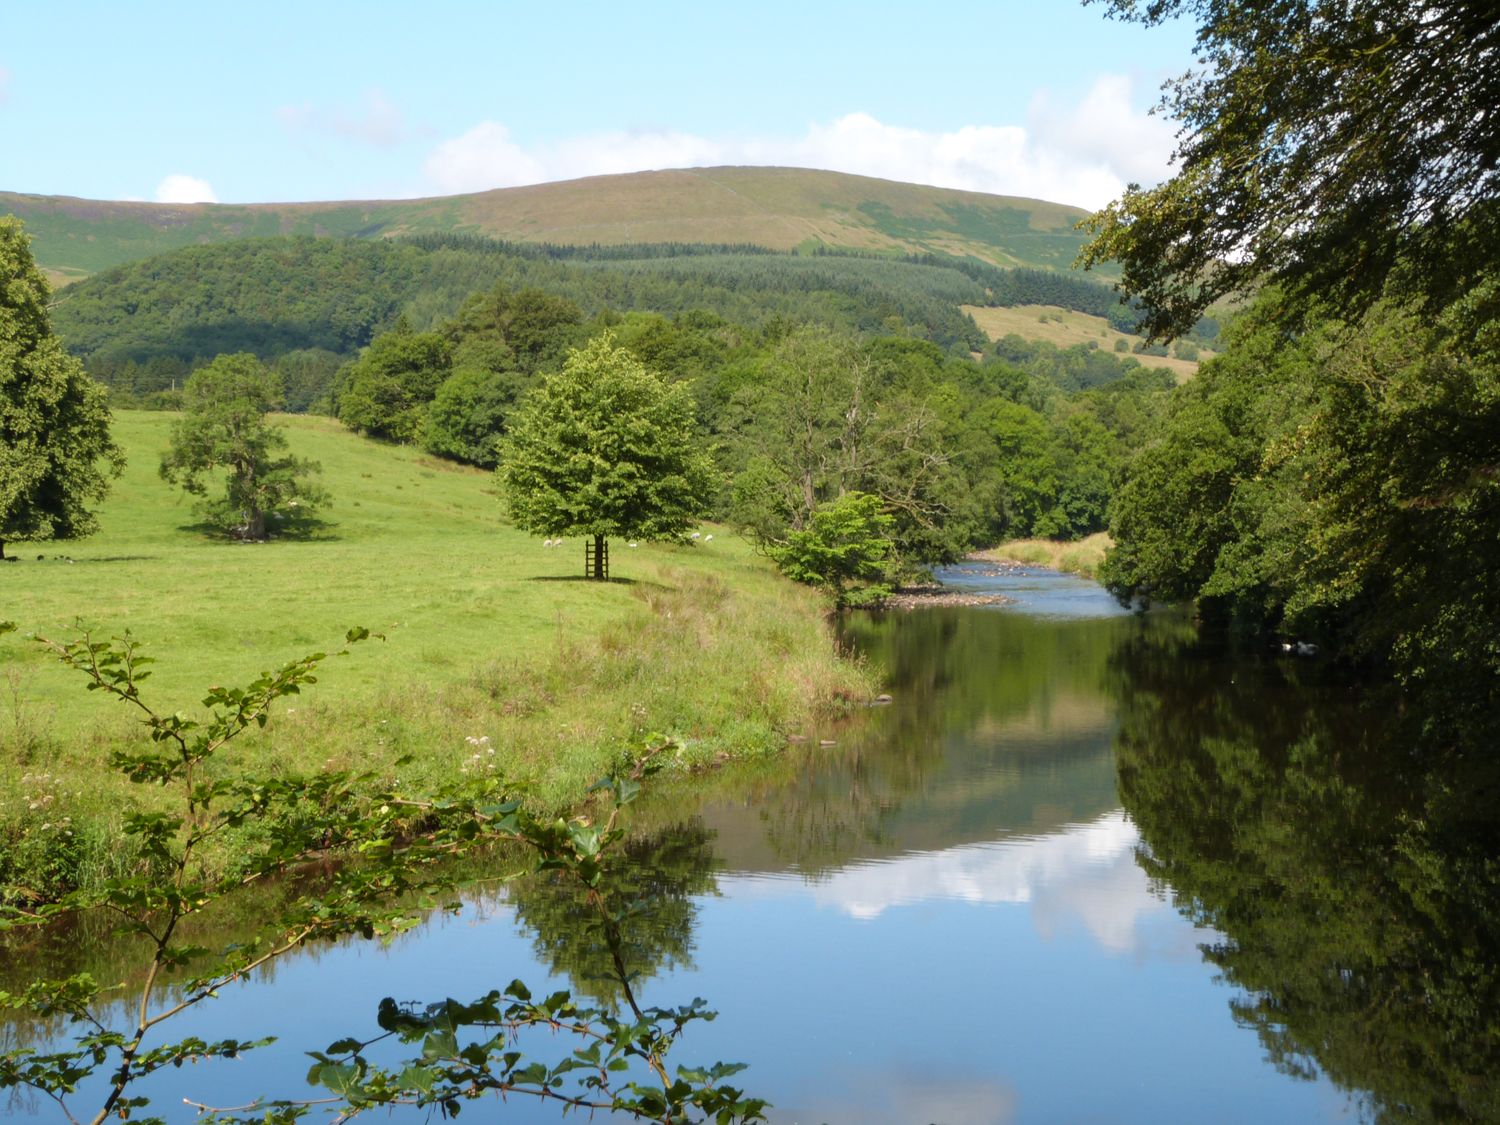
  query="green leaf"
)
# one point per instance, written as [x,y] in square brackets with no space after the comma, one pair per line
[342,1078]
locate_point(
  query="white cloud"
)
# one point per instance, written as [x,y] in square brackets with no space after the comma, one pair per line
[178,188]
[484,157]
[1082,154]
[1106,132]
[1082,876]
[376,120]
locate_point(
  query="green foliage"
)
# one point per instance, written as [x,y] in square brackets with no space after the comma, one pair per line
[531,329]
[1075,368]
[140,326]
[263,295]
[822,416]
[466,418]
[56,455]
[603,448]
[385,392]
[843,549]
[1337,481]
[1344,859]
[391,843]
[961,455]
[224,427]
[1346,151]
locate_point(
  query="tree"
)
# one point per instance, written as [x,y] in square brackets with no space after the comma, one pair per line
[56,455]
[224,427]
[605,448]
[1336,481]
[467,416]
[843,549]
[386,391]
[535,327]
[1340,147]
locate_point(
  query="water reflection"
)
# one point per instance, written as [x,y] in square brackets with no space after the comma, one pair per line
[1351,864]
[641,922]
[949,915]
[1002,726]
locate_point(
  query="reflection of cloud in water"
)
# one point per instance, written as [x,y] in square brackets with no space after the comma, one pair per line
[1086,872]
[884,1096]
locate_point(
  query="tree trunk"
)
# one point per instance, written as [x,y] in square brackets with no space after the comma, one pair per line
[2,550]
[601,559]
[255,525]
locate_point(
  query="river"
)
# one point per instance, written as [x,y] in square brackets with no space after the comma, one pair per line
[1083,868]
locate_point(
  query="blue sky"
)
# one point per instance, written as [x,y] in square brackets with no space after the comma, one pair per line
[297,101]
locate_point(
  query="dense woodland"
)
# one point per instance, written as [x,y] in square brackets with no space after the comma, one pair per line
[893,390]
[143,326]
[1334,473]
[961,452]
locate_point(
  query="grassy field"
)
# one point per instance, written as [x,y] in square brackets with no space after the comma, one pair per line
[1065,328]
[489,635]
[780,208]
[1081,556]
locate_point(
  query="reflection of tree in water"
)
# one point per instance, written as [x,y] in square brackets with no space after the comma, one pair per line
[642,923]
[933,771]
[1353,869]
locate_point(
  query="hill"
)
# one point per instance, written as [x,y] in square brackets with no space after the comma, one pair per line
[775,208]
[275,295]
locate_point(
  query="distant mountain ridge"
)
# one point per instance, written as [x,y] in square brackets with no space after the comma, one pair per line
[778,208]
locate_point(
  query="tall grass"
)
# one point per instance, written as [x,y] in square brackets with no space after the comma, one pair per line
[1078,556]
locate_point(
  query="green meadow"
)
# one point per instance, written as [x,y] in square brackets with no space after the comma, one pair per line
[492,641]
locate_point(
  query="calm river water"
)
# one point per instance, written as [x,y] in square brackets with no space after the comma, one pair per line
[1082,869]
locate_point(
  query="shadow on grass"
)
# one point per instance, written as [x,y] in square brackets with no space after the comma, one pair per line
[306,529]
[597,581]
[61,558]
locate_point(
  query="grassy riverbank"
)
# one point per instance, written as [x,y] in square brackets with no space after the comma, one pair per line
[1079,556]
[489,635]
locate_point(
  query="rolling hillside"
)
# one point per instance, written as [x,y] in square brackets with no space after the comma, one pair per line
[777,208]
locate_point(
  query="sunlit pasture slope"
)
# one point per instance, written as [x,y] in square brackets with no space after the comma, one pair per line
[488,633]
[1066,328]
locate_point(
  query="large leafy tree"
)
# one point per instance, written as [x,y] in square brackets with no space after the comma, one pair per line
[603,448]
[1341,147]
[385,391]
[224,427]
[56,455]
[824,416]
